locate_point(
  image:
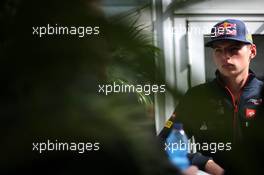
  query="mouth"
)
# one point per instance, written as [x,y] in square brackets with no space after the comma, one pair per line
[228,65]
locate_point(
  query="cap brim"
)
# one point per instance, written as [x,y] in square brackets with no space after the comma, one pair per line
[210,43]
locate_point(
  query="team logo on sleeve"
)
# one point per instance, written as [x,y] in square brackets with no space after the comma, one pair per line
[203,127]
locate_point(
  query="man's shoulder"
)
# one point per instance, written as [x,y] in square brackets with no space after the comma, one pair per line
[255,86]
[258,82]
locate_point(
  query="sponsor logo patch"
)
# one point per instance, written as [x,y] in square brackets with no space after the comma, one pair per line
[168,124]
[250,113]
[255,101]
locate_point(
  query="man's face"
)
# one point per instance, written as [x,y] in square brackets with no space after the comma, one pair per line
[232,57]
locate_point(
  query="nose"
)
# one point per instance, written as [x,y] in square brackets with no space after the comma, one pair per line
[226,54]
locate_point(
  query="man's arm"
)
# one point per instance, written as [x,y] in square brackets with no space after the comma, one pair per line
[213,168]
[205,163]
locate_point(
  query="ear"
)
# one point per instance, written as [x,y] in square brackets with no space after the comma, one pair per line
[253,51]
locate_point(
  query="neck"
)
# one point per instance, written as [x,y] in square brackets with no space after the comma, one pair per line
[236,83]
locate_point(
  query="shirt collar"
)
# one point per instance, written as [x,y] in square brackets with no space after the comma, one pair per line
[251,75]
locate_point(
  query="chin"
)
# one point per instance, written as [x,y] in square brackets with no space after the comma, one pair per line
[229,73]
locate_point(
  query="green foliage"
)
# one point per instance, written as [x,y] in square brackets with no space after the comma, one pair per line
[50,91]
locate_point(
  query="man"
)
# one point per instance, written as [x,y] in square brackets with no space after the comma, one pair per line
[223,115]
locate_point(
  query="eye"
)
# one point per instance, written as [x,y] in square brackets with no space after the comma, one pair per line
[234,49]
[217,50]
